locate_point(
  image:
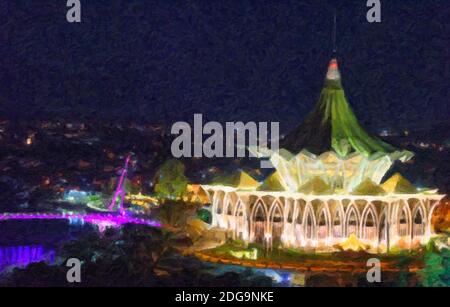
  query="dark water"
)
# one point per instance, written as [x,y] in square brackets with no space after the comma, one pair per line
[23,255]
[25,242]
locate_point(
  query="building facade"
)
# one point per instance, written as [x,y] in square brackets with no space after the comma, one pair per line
[326,188]
[286,219]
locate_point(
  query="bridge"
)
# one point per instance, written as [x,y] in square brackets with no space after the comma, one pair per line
[111,218]
[108,219]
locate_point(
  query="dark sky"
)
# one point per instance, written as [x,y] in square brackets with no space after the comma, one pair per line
[161,61]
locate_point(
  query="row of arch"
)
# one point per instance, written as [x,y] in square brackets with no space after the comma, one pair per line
[277,220]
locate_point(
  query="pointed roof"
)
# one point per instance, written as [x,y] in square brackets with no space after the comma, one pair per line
[368,187]
[315,186]
[238,179]
[398,184]
[332,125]
[272,183]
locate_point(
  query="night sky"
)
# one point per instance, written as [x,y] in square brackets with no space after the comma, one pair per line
[163,61]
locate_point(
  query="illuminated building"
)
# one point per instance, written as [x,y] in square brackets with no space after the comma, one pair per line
[142,200]
[326,187]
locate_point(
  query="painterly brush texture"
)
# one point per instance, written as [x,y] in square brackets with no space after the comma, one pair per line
[230,60]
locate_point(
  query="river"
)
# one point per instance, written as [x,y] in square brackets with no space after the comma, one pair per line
[30,241]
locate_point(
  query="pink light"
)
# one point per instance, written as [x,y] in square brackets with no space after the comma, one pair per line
[120,188]
[94,218]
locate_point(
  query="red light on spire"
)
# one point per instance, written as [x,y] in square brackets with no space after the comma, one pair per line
[333,71]
[333,64]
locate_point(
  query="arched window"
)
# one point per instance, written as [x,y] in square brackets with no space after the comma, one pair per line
[403,222]
[298,225]
[277,224]
[352,222]
[309,226]
[419,223]
[322,226]
[382,228]
[338,225]
[290,216]
[299,217]
[259,223]
[230,208]
[219,201]
[369,231]
[240,221]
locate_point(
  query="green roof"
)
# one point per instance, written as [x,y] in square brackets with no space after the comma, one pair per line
[332,125]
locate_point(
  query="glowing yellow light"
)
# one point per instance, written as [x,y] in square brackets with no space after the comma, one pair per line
[353,244]
[251,254]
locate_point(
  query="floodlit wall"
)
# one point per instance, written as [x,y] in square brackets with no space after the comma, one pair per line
[296,220]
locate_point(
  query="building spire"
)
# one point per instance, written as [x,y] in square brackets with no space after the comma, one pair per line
[333,77]
[334,36]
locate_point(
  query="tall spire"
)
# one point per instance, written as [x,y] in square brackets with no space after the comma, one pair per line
[332,125]
[334,36]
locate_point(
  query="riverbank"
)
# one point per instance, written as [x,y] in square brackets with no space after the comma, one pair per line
[293,260]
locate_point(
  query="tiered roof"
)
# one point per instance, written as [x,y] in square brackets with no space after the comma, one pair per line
[332,125]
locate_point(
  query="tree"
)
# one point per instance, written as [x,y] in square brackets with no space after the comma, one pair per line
[173,216]
[436,270]
[433,270]
[171,181]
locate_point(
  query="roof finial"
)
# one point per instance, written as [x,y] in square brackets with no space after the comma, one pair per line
[334,36]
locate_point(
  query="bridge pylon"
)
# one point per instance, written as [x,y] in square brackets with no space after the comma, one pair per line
[119,194]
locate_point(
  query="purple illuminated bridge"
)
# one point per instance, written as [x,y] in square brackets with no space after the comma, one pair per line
[105,219]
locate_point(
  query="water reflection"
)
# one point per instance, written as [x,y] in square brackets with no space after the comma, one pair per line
[21,256]
[32,241]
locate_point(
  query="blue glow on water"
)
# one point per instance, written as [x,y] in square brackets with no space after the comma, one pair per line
[21,256]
